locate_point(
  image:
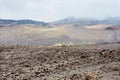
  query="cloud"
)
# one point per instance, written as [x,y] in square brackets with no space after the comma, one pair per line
[50,10]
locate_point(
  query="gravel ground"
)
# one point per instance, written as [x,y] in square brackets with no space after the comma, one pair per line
[85,62]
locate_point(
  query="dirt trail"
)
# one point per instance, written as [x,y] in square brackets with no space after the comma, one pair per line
[85,62]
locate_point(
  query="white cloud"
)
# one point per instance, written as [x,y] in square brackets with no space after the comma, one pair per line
[50,10]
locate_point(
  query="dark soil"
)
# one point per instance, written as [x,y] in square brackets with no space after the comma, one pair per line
[85,62]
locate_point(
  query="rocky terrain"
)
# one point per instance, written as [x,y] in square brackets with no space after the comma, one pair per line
[83,62]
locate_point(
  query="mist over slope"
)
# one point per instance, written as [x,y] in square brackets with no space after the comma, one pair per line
[88,21]
[68,31]
[27,35]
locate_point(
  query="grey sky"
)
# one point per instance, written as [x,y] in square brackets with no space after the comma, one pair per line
[50,10]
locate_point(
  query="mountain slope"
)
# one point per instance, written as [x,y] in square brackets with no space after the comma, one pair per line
[87,21]
[5,22]
[45,36]
[67,21]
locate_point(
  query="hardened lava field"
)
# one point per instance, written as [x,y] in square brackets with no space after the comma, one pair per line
[83,62]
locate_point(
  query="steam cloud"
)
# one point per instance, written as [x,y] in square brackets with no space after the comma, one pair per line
[112,38]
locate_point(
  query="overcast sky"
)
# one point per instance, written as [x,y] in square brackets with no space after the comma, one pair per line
[50,10]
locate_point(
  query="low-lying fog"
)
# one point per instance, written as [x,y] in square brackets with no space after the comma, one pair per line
[65,34]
